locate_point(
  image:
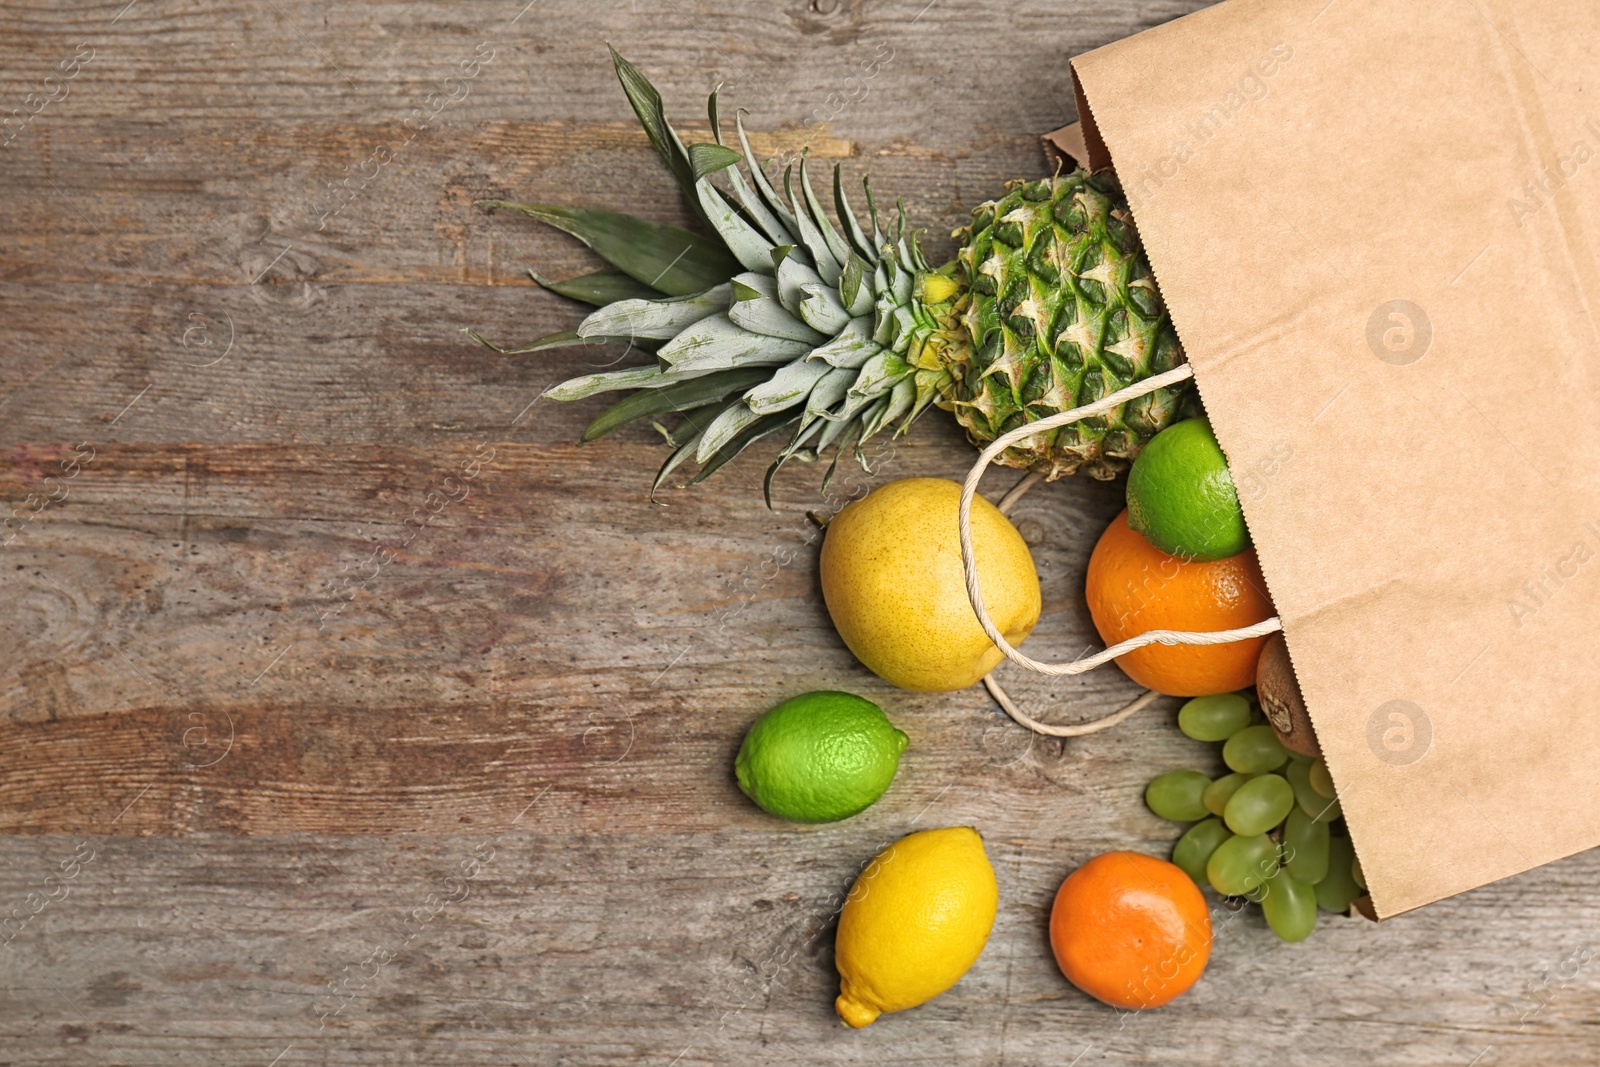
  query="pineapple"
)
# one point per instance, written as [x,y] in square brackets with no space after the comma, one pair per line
[833,334]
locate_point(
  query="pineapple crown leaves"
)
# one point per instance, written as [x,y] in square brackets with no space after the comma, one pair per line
[785,321]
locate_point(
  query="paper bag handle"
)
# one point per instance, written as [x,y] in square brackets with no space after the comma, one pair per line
[969,568]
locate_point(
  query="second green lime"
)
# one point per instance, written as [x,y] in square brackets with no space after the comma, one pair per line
[1181,496]
[819,757]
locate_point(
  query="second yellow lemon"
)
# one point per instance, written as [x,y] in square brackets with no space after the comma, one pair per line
[892,579]
[915,921]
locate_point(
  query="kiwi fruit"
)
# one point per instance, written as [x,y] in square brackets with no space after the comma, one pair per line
[1279,693]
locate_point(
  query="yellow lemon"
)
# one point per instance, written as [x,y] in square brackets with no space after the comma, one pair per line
[914,922]
[892,579]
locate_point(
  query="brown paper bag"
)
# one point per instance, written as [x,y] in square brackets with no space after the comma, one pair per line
[1375,224]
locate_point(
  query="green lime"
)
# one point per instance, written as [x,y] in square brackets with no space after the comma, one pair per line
[1181,496]
[819,757]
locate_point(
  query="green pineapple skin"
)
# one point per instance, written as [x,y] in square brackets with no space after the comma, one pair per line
[1059,310]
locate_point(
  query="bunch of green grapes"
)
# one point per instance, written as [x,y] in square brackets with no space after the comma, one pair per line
[1270,831]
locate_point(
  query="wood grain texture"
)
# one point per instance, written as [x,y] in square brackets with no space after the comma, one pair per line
[300,766]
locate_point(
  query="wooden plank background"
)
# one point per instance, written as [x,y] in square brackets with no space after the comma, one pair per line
[288,781]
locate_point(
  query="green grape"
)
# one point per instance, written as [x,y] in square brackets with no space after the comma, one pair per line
[1290,907]
[1258,805]
[1241,864]
[1356,874]
[1338,889]
[1299,775]
[1253,750]
[1176,795]
[1195,847]
[1311,802]
[1214,718]
[1217,793]
[1321,780]
[1305,848]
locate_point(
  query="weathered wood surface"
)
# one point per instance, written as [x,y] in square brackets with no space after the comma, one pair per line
[239,797]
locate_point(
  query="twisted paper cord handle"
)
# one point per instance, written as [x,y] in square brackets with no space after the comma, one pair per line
[1087,663]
